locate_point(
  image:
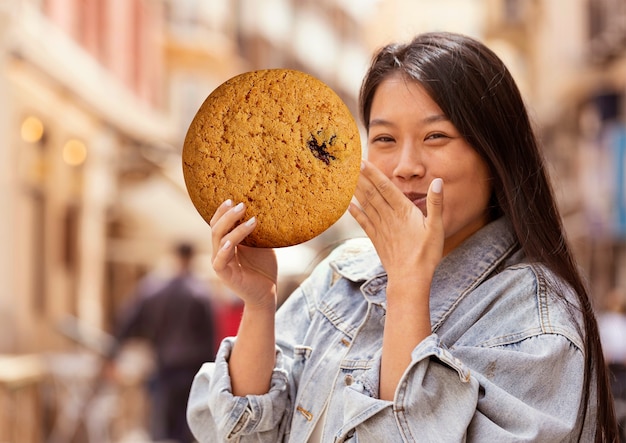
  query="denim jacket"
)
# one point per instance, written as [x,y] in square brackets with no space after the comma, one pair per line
[504,362]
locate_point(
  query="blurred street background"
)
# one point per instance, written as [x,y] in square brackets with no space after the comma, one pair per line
[95,100]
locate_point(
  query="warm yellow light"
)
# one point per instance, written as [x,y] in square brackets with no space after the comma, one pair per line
[74,152]
[32,129]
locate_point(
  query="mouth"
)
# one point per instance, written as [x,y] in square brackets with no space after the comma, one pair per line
[418,200]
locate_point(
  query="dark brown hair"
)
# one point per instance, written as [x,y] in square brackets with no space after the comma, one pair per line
[473,87]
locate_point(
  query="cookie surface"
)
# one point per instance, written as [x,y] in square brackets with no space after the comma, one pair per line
[282,142]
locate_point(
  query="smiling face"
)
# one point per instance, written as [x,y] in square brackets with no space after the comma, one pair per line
[412,142]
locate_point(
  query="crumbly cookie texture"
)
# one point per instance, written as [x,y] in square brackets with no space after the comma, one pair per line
[282,142]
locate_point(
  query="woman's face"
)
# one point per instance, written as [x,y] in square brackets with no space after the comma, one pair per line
[412,142]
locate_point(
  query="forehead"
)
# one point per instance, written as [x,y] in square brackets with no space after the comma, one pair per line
[399,94]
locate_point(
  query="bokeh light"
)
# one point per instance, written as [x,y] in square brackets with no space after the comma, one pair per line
[74,152]
[32,129]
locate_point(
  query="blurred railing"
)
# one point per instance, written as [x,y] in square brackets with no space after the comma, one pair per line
[59,398]
[21,408]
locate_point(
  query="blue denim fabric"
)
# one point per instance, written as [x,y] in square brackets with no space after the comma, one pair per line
[504,362]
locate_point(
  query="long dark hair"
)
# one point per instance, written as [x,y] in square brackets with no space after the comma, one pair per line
[473,87]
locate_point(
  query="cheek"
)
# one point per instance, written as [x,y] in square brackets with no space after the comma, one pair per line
[467,195]
[471,175]
[385,163]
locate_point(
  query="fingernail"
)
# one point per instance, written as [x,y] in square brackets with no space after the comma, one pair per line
[355,202]
[251,221]
[362,165]
[437,185]
[239,207]
[226,245]
[228,203]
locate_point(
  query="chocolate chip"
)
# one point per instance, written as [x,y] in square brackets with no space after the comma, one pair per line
[320,150]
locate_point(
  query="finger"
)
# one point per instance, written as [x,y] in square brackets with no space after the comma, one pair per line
[225,248]
[221,210]
[237,235]
[434,201]
[222,256]
[361,207]
[368,194]
[226,224]
[356,210]
[383,186]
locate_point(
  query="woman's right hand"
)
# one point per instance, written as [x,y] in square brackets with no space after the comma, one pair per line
[249,272]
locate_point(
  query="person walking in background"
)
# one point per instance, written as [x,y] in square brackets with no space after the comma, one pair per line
[461,317]
[176,318]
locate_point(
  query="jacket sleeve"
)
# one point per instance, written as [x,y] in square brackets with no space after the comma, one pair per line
[214,414]
[440,399]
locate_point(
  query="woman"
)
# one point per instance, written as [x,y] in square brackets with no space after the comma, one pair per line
[462,317]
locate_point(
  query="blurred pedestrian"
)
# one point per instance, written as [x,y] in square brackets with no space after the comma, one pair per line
[176,318]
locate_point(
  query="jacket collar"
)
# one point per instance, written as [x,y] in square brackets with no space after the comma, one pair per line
[458,273]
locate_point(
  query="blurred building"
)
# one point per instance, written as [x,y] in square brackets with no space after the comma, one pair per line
[82,94]
[572,56]
[88,141]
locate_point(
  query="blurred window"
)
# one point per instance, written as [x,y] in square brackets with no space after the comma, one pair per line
[513,11]
[607,28]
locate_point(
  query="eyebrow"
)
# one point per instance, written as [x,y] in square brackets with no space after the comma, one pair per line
[430,119]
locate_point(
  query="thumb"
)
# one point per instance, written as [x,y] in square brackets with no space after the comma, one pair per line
[434,201]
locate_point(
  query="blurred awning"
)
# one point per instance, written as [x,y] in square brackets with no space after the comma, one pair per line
[156,212]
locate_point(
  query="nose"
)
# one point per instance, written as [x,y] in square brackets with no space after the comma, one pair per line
[410,163]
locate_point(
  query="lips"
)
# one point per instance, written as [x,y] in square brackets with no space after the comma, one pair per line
[418,200]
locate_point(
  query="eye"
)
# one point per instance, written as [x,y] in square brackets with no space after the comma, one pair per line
[437,139]
[382,139]
[436,135]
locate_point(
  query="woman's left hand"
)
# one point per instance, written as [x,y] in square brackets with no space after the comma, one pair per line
[405,239]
